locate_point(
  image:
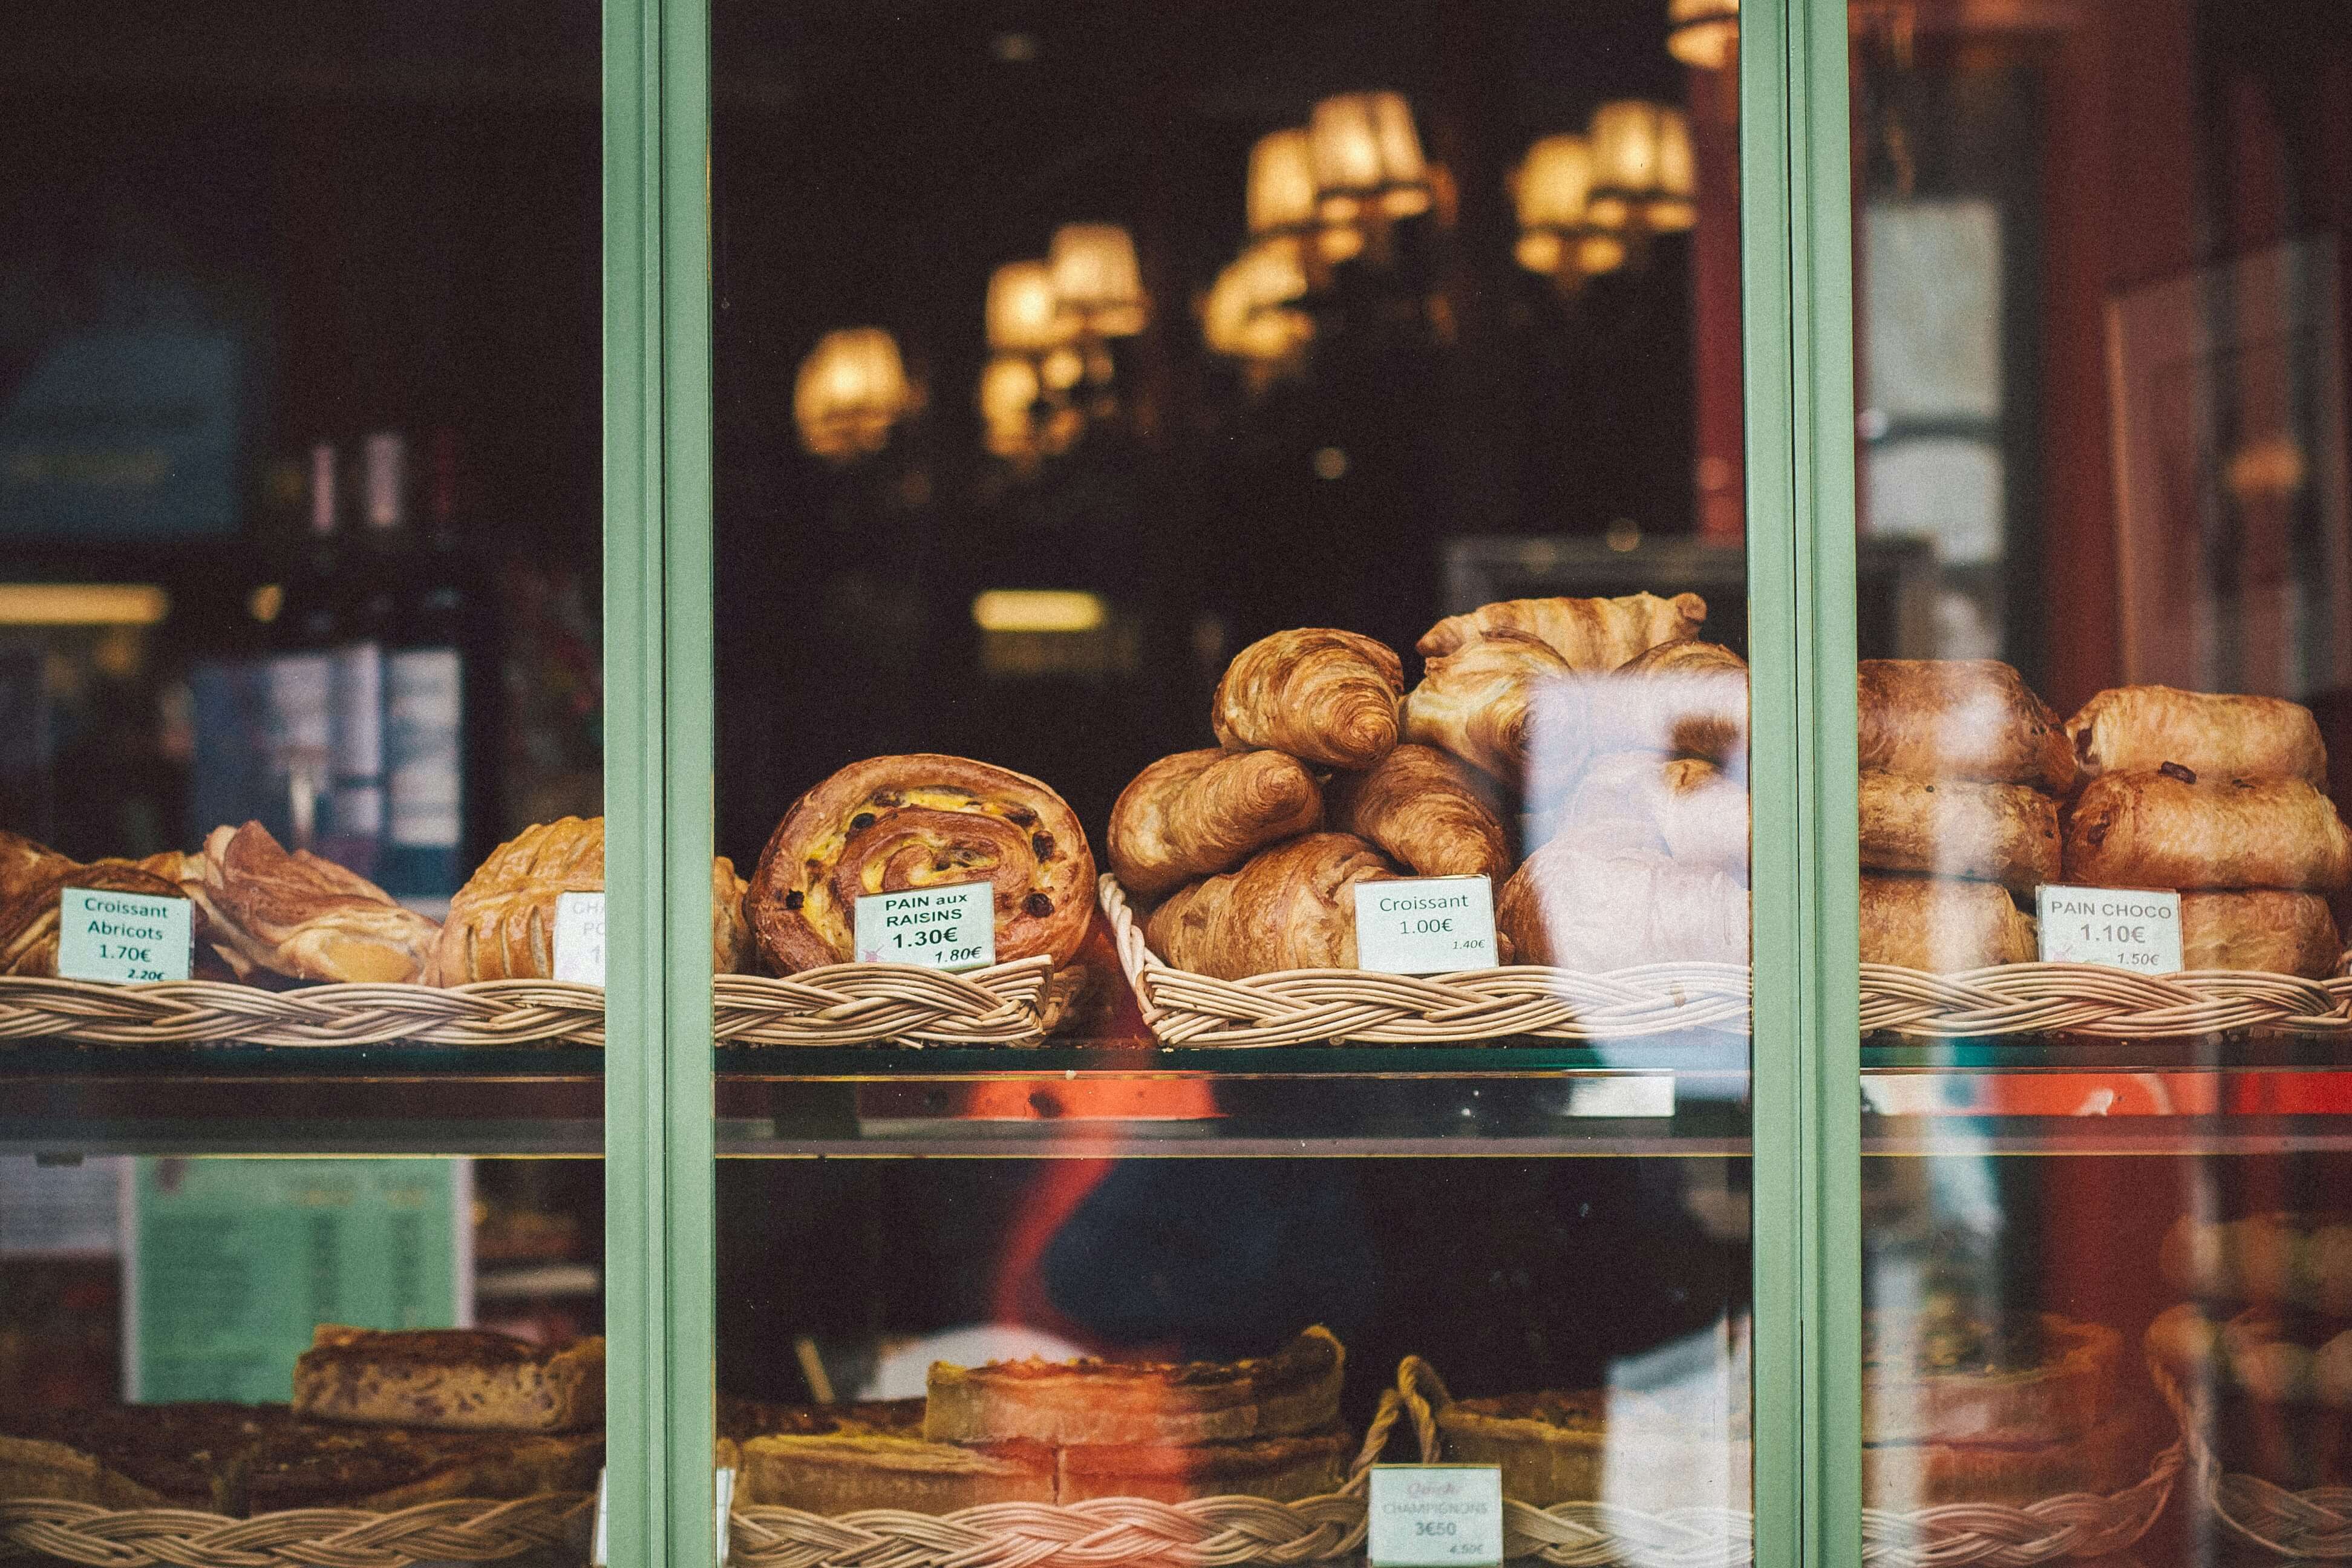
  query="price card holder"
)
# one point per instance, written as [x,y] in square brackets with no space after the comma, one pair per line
[950,927]
[1425,925]
[1435,1516]
[2118,926]
[105,935]
[580,938]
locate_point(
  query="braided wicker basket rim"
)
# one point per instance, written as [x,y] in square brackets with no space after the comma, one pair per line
[840,1005]
[1946,1536]
[2092,999]
[1298,1006]
[2257,1512]
[452,1530]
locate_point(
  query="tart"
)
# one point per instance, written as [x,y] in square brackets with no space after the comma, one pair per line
[838,1459]
[1942,1377]
[466,1380]
[1598,1446]
[316,1464]
[1088,1403]
[1282,1469]
[135,1456]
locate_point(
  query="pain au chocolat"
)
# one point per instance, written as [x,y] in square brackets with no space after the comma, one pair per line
[2139,729]
[1936,719]
[449,1380]
[889,824]
[1291,1392]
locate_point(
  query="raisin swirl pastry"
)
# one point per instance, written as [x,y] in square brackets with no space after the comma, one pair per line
[889,824]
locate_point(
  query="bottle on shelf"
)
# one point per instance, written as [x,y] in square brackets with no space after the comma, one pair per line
[436,666]
[298,676]
[370,608]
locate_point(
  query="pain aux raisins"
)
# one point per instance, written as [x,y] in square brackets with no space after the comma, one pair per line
[887,798]
[1038,905]
[1041,844]
[795,898]
[1020,817]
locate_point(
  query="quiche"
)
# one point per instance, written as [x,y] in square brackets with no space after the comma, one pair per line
[450,1380]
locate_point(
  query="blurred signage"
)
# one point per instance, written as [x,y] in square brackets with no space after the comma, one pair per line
[116,434]
[232,1263]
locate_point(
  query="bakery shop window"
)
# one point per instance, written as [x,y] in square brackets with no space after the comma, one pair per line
[1187,473]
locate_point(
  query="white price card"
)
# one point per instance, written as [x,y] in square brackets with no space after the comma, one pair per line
[2118,926]
[122,936]
[949,926]
[1435,1516]
[1425,925]
[597,1556]
[723,1482]
[580,938]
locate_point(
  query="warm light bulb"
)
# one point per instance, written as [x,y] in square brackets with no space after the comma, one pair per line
[1625,136]
[1281,183]
[850,390]
[1555,184]
[1097,277]
[1703,33]
[1023,314]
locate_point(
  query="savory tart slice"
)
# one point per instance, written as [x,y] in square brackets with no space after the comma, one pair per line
[1087,1403]
[456,1380]
[1282,1469]
[839,1459]
[1591,1445]
[317,1464]
[136,1456]
[1942,1375]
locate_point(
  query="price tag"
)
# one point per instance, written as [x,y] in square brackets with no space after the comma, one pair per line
[1425,925]
[1435,1516]
[596,1558]
[2118,926]
[580,938]
[725,1482]
[950,927]
[122,936]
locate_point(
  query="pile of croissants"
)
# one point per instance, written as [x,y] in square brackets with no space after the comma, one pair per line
[1600,735]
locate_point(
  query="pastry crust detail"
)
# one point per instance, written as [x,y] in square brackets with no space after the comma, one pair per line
[1960,827]
[1684,698]
[1199,813]
[2139,729]
[1426,810]
[1935,718]
[2165,830]
[1942,924]
[1590,635]
[305,917]
[1290,907]
[32,878]
[459,1380]
[1481,703]
[1323,695]
[921,820]
[1572,908]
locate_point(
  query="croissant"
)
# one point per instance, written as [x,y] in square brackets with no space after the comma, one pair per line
[1682,807]
[889,824]
[1683,698]
[2138,729]
[1426,811]
[1481,704]
[1960,718]
[501,924]
[1960,827]
[1593,912]
[1942,924]
[1589,633]
[1198,812]
[2169,830]
[32,878]
[1291,906]
[304,916]
[1323,695]
[2263,928]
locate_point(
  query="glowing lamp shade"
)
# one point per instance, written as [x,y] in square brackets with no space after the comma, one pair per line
[1366,150]
[1281,184]
[1008,389]
[851,389]
[1097,279]
[1248,314]
[1673,201]
[1703,34]
[1024,314]
[1554,187]
[1540,250]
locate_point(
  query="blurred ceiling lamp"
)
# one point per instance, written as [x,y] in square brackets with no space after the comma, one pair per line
[1281,197]
[1098,280]
[1250,313]
[1703,34]
[851,389]
[1367,158]
[83,604]
[1009,392]
[1024,314]
[1553,189]
[1644,176]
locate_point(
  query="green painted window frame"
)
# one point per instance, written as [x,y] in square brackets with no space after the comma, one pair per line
[1797,328]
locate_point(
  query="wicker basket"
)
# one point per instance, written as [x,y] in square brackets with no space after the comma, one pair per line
[457,1530]
[2090,999]
[842,1005]
[1950,1535]
[2315,1524]
[1299,1006]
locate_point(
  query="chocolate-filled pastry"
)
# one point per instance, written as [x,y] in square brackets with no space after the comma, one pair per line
[2171,829]
[32,878]
[1573,908]
[1480,703]
[1591,633]
[1960,718]
[304,916]
[1427,811]
[1291,906]
[922,820]
[1323,695]
[1642,804]
[2139,729]
[1960,827]
[1683,698]
[1199,813]
[1941,923]
[2266,929]
[501,924]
